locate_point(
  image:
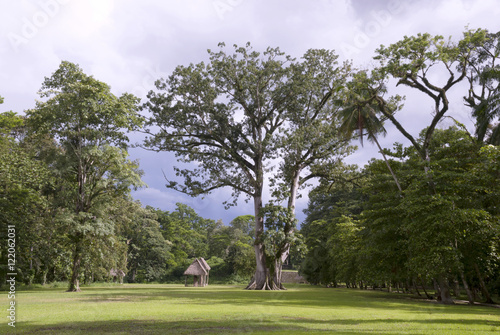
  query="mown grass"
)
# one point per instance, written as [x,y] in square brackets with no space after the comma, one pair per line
[175,309]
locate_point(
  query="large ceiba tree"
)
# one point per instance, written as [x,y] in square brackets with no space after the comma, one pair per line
[89,123]
[223,115]
[226,116]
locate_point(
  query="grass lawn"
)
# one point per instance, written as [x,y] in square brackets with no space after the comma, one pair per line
[175,309]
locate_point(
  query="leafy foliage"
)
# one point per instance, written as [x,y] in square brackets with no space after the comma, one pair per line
[88,122]
[417,237]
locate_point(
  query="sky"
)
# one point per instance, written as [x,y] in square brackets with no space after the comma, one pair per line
[130,44]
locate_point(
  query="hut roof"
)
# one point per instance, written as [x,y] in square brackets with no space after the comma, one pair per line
[204,263]
[197,268]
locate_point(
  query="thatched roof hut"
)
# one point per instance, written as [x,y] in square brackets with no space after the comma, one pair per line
[200,270]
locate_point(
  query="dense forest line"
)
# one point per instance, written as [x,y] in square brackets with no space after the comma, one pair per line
[124,241]
[109,235]
[424,214]
[362,232]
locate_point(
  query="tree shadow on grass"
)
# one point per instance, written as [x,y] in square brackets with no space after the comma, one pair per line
[308,297]
[327,302]
[286,325]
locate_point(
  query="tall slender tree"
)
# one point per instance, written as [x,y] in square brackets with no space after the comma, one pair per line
[90,124]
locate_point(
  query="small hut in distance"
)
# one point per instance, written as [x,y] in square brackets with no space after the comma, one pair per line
[199,269]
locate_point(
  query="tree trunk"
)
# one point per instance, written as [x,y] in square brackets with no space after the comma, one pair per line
[437,289]
[415,287]
[388,166]
[456,288]
[294,187]
[277,284]
[474,293]
[263,280]
[423,288]
[445,291]
[467,289]
[260,280]
[484,290]
[74,284]
[44,276]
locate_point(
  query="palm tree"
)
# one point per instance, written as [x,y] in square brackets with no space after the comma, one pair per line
[359,113]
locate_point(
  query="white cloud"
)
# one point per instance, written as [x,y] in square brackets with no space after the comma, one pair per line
[129,44]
